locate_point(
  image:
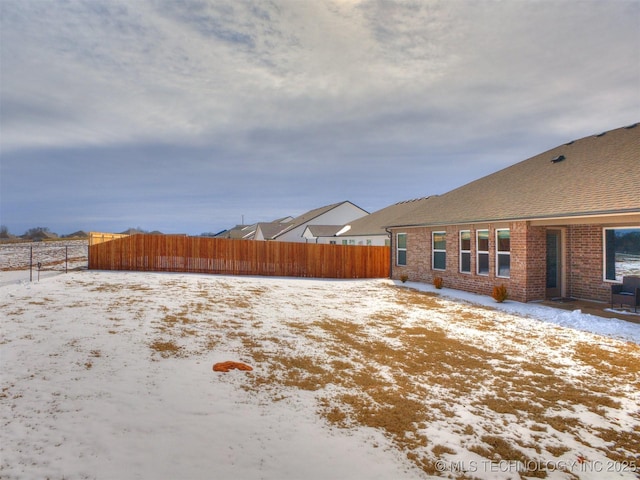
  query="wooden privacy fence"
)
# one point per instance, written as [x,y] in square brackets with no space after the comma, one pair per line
[100,237]
[167,253]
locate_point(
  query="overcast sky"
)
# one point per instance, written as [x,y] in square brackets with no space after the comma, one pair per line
[186,115]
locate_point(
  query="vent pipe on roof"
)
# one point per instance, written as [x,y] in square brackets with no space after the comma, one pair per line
[559,158]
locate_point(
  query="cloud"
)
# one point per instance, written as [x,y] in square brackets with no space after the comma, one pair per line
[323,101]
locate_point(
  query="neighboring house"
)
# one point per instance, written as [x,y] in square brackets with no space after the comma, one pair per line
[564,223]
[247,232]
[293,230]
[238,232]
[322,233]
[367,230]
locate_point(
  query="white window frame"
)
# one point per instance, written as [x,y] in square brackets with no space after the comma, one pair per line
[435,250]
[398,249]
[482,252]
[502,253]
[604,251]
[464,251]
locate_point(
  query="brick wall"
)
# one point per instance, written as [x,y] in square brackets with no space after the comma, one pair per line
[585,263]
[419,260]
[583,250]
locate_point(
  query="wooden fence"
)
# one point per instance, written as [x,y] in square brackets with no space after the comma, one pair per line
[167,253]
[100,237]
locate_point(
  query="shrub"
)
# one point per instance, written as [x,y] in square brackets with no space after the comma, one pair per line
[437,282]
[500,293]
[404,277]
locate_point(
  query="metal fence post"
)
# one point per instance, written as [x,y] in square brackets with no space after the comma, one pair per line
[31,263]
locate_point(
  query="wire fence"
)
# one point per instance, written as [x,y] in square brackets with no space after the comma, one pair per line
[29,261]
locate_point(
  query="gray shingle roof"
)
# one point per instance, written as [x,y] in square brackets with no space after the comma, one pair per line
[324,230]
[599,174]
[375,223]
[305,218]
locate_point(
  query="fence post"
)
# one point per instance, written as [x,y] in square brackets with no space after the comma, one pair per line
[31,263]
[66,259]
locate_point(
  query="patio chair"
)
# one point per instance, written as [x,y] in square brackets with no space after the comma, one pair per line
[626,293]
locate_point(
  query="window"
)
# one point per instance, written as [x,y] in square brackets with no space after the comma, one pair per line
[621,252]
[482,252]
[503,253]
[401,249]
[465,251]
[439,250]
[345,242]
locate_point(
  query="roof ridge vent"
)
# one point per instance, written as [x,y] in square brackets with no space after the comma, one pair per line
[558,159]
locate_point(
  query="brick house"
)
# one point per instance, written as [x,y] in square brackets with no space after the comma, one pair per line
[564,223]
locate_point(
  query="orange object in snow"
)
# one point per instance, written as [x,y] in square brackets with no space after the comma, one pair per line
[226,366]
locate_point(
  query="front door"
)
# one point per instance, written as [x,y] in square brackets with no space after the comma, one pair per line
[554,264]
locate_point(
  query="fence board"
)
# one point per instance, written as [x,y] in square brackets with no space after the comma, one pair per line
[168,253]
[99,237]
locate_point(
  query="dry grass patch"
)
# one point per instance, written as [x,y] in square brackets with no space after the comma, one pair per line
[166,348]
[407,370]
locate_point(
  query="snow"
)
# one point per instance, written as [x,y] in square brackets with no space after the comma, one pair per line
[84,395]
[611,327]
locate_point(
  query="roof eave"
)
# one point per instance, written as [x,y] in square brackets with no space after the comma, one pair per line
[522,219]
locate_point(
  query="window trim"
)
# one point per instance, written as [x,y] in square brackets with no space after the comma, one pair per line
[482,252]
[399,249]
[604,251]
[468,272]
[435,250]
[502,253]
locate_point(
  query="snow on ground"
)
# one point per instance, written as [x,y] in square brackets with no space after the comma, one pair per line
[109,375]
[612,327]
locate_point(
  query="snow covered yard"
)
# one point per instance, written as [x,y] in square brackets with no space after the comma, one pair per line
[109,375]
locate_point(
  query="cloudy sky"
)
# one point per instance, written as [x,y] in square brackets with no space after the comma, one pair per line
[186,115]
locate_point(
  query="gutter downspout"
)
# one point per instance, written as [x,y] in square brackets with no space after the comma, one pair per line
[386,229]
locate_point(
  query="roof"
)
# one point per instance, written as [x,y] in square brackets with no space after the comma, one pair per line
[238,232]
[375,223]
[270,230]
[301,220]
[324,230]
[596,175]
